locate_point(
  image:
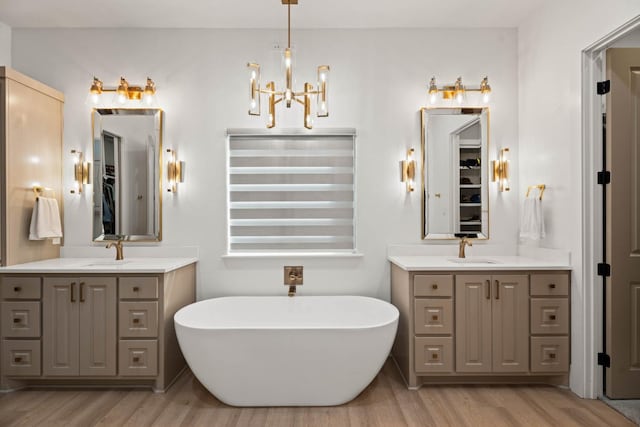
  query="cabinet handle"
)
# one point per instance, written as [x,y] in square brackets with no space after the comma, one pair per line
[136,289]
[81,291]
[488,290]
[16,320]
[73,292]
[497,289]
[552,285]
[17,359]
[17,289]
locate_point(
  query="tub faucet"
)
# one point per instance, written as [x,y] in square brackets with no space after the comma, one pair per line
[463,243]
[118,246]
[292,278]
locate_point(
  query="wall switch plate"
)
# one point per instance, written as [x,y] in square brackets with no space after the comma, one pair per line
[293,275]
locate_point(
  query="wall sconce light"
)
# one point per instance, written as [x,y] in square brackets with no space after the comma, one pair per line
[501,170]
[80,171]
[458,90]
[123,92]
[175,171]
[409,170]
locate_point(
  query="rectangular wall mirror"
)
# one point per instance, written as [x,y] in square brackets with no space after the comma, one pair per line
[455,172]
[127,181]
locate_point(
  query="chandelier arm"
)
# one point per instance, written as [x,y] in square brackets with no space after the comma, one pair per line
[278,100]
[299,101]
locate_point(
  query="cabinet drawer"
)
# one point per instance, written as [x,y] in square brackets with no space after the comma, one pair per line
[434,354]
[433,316]
[432,285]
[21,357]
[138,319]
[20,287]
[550,284]
[138,287]
[20,319]
[550,316]
[549,354]
[138,358]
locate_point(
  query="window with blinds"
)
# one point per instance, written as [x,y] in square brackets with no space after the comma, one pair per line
[291,192]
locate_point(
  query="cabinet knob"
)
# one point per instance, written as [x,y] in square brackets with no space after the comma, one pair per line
[434,356]
[552,317]
[136,320]
[17,359]
[16,320]
[434,317]
[17,289]
[552,355]
[552,285]
[136,359]
[136,289]
[434,286]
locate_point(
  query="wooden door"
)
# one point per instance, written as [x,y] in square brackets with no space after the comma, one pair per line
[97,302]
[473,323]
[60,327]
[510,321]
[623,223]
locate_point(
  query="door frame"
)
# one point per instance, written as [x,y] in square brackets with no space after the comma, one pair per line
[593,70]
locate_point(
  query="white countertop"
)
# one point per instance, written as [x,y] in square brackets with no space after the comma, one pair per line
[100,265]
[498,263]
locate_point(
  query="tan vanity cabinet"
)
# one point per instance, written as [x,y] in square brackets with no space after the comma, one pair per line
[98,329]
[481,326]
[79,326]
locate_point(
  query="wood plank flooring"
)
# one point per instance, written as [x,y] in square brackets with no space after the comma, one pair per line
[385,403]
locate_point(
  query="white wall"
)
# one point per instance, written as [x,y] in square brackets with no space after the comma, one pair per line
[379,80]
[5,45]
[549,81]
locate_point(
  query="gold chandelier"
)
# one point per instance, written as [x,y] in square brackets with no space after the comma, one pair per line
[288,95]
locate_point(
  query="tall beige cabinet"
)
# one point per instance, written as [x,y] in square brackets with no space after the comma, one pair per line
[31,126]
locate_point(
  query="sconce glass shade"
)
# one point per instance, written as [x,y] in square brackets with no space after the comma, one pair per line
[485,90]
[323,91]
[458,91]
[409,171]
[433,91]
[501,170]
[121,91]
[175,172]
[81,171]
[149,93]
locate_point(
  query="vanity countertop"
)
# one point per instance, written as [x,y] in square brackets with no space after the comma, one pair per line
[100,265]
[482,263]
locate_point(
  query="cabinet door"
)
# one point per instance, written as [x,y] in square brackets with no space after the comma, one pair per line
[473,323]
[97,296]
[60,327]
[510,323]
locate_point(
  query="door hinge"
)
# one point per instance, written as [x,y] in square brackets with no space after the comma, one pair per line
[603,87]
[604,269]
[604,360]
[604,177]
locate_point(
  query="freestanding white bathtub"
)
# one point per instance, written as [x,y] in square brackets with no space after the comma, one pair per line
[282,351]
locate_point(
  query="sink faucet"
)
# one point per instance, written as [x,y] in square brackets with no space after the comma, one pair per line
[463,243]
[118,246]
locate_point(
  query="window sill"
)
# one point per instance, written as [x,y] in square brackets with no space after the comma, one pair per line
[293,255]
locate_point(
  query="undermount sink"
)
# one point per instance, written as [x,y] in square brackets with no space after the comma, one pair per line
[474,261]
[106,263]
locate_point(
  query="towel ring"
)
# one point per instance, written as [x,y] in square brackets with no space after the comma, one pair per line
[38,190]
[540,187]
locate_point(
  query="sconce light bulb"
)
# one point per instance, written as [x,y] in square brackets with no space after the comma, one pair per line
[148,99]
[122,98]
[95,98]
[287,62]
[253,103]
[253,75]
[323,77]
[288,95]
[433,97]
[323,107]
[459,97]
[486,97]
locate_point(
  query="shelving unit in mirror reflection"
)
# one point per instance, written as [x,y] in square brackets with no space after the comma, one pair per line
[469,181]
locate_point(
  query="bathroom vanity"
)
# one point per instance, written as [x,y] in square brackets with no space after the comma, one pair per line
[499,319]
[74,321]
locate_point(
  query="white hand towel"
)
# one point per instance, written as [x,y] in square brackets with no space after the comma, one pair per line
[532,221]
[45,220]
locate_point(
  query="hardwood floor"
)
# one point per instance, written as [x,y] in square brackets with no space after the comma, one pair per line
[386,402]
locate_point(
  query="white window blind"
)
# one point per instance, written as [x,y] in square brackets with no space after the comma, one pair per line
[291,192]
